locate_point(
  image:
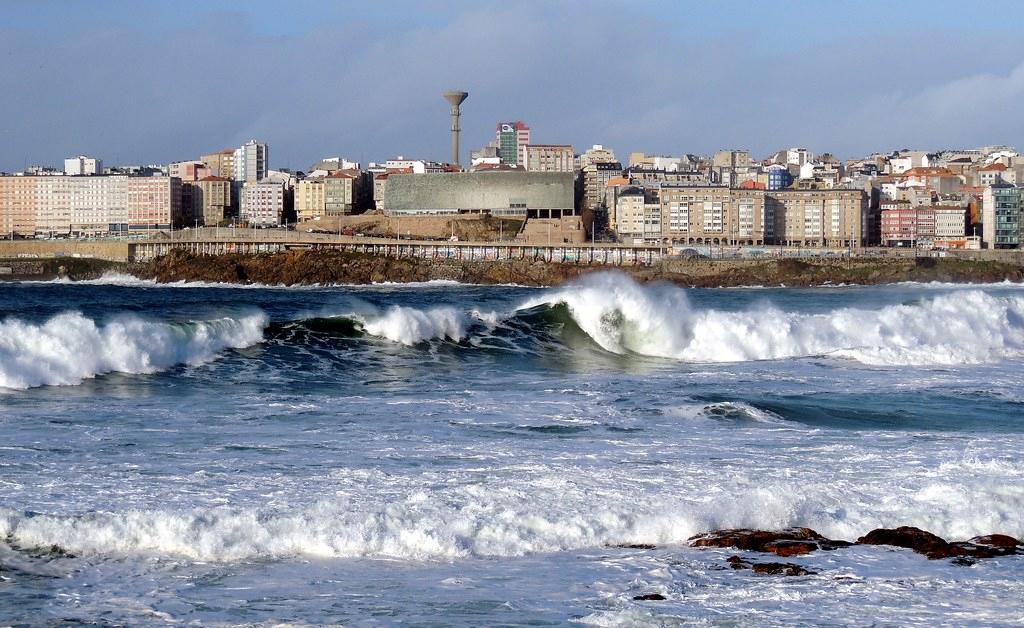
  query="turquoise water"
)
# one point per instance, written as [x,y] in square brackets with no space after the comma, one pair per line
[442,453]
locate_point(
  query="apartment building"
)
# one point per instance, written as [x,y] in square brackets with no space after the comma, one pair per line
[1001,216]
[83,165]
[713,214]
[720,215]
[211,200]
[834,218]
[909,226]
[310,202]
[595,177]
[549,158]
[17,206]
[95,205]
[637,216]
[950,222]
[250,161]
[154,203]
[264,203]
[343,190]
[221,163]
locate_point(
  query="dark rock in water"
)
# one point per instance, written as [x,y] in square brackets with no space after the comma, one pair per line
[774,569]
[934,547]
[921,541]
[790,548]
[974,550]
[781,569]
[833,544]
[997,540]
[788,542]
[636,546]
[649,597]
[738,563]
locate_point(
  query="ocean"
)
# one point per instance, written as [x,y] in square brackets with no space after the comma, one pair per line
[447,454]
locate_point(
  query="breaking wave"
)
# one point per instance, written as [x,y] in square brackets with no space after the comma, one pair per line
[622,316]
[70,347]
[410,326]
[562,513]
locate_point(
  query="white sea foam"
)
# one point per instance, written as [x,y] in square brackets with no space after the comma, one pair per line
[70,347]
[550,515]
[410,326]
[125,280]
[967,327]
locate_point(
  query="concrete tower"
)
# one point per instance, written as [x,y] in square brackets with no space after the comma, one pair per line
[455,100]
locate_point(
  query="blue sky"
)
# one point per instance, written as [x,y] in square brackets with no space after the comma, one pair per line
[152,82]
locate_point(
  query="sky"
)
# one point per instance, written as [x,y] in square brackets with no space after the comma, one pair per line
[153,82]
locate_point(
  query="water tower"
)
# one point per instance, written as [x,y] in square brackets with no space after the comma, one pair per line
[455,100]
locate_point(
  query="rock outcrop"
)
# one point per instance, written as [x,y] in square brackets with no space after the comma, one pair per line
[339,267]
[772,569]
[801,541]
[935,547]
[788,542]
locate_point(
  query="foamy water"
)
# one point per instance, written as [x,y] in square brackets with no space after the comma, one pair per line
[476,455]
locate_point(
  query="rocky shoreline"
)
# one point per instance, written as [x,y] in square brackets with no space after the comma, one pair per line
[336,267]
[328,267]
[802,541]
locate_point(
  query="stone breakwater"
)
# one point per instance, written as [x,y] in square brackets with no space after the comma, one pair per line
[337,267]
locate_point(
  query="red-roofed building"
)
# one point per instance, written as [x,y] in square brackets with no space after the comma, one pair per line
[935,179]
[344,192]
[992,174]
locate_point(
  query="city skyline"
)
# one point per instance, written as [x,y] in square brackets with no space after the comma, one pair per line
[147,84]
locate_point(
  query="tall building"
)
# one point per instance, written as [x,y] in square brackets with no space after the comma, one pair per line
[549,158]
[595,177]
[1001,216]
[250,161]
[512,140]
[596,154]
[81,165]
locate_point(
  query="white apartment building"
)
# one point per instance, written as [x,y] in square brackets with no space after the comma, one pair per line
[263,203]
[250,161]
[82,165]
[950,222]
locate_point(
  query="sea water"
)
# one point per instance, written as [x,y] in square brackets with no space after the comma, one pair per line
[451,454]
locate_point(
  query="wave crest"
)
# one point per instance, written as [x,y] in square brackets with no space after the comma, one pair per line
[70,347]
[622,316]
[411,326]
